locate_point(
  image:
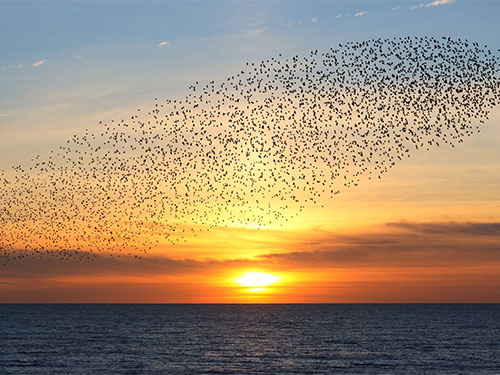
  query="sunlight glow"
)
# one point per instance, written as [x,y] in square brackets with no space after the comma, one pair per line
[257,279]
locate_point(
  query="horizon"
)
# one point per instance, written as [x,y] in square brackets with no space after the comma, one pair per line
[253,303]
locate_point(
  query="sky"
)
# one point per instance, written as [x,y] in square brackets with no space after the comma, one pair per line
[429,231]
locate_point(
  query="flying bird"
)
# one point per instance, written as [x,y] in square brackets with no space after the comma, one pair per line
[256,148]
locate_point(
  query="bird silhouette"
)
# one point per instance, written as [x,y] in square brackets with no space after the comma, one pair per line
[254,149]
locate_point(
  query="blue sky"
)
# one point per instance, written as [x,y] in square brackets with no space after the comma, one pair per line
[65,65]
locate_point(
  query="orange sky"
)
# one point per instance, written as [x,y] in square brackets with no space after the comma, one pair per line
[392,262]
[428,231]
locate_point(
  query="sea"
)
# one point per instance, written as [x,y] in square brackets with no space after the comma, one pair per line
[250,339]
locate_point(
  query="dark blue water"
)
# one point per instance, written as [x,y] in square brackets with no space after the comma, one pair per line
[250,339]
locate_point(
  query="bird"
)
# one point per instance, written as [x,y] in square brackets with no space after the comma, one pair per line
[255,148]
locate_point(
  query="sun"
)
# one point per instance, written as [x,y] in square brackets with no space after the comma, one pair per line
[257,279]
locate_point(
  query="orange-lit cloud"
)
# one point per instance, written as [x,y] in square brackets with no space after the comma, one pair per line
[395,262]
[39,63]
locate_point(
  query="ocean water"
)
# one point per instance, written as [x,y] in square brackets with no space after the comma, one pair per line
[250,339]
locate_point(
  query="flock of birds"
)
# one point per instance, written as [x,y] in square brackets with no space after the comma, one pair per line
[252,150]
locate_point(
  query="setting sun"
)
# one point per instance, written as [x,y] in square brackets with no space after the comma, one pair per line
[257,279]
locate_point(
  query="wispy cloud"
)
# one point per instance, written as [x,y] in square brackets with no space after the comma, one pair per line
[19,66]
[39,63]
[314,20]
[395,8]
[432,4]
[451,228]
[399,244]
[164,44]
[5,115]
[109,265]
[292,23]
[361,14]
[138,48]
[423,256]
[258,30]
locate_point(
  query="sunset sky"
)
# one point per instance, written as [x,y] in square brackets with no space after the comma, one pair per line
[428,231]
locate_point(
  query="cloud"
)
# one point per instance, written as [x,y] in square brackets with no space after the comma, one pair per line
[77,57]
[5,115]
[395,8]
[349,15]
[39,63]
[164,44]
[397,245]
[138,48]
[314,20]
[258,30]
[44,266]
[292,23]
[432,4]
[19,66]
[391,262]
[396,262]
[361,14]
[393,245]
[451,228]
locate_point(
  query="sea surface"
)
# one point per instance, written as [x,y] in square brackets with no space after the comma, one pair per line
[250,339]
